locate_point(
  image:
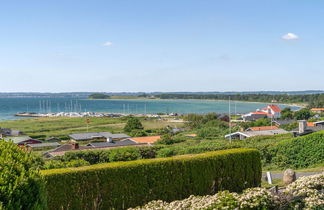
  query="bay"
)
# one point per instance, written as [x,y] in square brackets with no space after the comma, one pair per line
[10,106]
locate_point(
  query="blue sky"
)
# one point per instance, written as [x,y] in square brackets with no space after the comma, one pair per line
[161,45]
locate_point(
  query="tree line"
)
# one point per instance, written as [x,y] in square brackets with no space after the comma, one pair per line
[313,100]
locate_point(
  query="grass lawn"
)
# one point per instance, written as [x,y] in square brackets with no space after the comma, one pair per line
[63,126]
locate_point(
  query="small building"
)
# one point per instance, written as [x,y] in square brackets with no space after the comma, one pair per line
[98,135]
[22,140]
[191,135]
[305,128]
[9,132]
[317,110]
[241,135]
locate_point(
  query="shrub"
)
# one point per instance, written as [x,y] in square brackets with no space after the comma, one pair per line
[129,184]
[111,155]
[305,193]
[211,132]
[51,164]
[300,152]
[21,187]
[138,133]
[133,124]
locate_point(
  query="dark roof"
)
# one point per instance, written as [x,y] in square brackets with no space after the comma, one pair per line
[113,144]
[68,147]
[9,132]
[53,144]
[309,130]
[89,136]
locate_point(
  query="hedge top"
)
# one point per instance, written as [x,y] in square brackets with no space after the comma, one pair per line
[134,163]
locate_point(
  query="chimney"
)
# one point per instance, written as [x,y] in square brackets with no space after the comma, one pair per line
[109,140]
[75,146]
[302,126]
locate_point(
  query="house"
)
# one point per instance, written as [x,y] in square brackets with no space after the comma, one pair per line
[61,150]
[305,128]
[262,128]
[98,135]
[247,134]
[252,116]
[223,117]
[146,139]
[317,110]
[319,123]
[271,111]
[8,132]
[22,140]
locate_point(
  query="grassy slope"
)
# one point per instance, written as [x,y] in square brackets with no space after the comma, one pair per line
[62,126]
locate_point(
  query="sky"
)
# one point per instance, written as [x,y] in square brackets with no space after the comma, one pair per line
[161,45]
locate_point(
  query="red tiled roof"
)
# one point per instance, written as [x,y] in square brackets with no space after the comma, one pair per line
[261,113]
[263,128]
[310,124]
[317,109]
[146,139]
[275,108]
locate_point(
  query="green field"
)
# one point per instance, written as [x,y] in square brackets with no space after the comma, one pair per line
[63,126]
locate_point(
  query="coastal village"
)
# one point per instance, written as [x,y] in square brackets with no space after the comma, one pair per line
[107,140]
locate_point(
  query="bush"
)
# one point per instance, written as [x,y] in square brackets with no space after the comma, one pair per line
[111,155]
[300,152]
[133,124]
[138,133]
[21,187]
[51,164]
[129,184]
[211,132]
[306,192]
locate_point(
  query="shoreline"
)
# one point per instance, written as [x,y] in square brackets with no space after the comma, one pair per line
[301,105]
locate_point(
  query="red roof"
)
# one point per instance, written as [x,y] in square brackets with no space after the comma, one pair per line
[275,108]
[263,128]
[261,113]
[317,109]
[310,124]
[146,139]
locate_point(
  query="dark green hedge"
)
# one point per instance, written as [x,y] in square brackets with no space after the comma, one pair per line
[121,185]
[300,152]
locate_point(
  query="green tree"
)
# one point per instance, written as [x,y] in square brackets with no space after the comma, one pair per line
[287,114]
[133,124]
[21,186]
[303,114]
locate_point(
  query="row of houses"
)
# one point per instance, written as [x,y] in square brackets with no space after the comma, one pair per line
[108,144]
[304,128]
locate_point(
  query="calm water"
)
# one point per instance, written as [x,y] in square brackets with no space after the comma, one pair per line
[11,106]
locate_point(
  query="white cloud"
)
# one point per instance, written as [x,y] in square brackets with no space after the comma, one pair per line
[108,44]
[290,36]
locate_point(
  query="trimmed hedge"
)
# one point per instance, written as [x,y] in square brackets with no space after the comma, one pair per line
[121,185]
[300,152]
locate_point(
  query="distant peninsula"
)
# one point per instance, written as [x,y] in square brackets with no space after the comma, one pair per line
[98,96]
